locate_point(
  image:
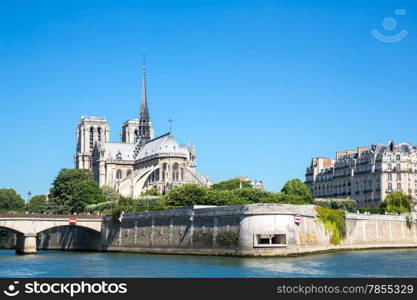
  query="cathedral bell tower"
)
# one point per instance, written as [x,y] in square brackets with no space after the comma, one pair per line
[90,130]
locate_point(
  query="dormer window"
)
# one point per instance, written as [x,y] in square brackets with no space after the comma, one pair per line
[119,155]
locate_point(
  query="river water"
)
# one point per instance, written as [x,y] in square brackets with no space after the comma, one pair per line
[375,263]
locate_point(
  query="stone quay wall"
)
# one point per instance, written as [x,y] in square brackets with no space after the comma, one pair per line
[242,230]
[245,230]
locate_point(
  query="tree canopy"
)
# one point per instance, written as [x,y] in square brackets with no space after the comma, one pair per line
[397,202]
[37,204]
[192,194]
[74,189]
[109,193]
[231,184]
[296,187]
[10,200]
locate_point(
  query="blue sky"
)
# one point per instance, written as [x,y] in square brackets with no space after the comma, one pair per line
[259,87]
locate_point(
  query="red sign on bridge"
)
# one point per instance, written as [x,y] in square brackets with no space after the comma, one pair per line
[72,221]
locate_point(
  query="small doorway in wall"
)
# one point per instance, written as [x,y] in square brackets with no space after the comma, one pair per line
[270,240]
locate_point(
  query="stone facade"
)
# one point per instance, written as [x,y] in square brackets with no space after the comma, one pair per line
[90,130]
[366,175]
[140,161]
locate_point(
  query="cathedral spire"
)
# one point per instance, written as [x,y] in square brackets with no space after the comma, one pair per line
[145,125]
[144,111]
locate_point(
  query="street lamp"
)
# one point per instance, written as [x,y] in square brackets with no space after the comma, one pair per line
[29,195]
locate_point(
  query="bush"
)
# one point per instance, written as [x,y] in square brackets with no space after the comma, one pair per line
[397,202]
[290,199]
[231,184]
[130,205]
[101,206]
[371,210]
[345,204]
[333,221]
[192,194]
[151,192]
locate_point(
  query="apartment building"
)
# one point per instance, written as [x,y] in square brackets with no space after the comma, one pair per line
[366,174]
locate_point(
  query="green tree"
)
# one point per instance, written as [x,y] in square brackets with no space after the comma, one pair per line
[250,195]
[10,200]
[397,202]
[187,195]
[109,193]
[231,184]
[74,189]
[296,187]
[37,204]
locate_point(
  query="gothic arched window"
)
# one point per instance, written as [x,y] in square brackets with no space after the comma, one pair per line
[91,138]
[119,174]
[128,173]
[99,133]
[164,171]
[175,172]
[136,136]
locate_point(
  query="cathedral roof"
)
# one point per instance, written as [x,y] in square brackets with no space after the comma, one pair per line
[123,151]
[160,145]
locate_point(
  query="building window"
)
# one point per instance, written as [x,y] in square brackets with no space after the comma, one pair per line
[389,186]
[99,133]
[389,176]
[270,240]
[398,167]
[175,172]
[136,135]
[91,138]
[389,167]
[164,171]
[128,173]
[398,176]
[398,186]
[119,174]
[389,157]
[398,157]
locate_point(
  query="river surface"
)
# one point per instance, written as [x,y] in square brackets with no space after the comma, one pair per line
[375,263]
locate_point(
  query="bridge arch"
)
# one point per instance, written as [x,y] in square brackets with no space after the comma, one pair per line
[28,228]
[69,237]
[77,226]
[11,229]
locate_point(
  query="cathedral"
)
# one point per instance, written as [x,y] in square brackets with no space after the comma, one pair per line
[139,161]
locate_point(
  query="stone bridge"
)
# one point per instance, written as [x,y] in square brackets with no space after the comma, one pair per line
[27,227]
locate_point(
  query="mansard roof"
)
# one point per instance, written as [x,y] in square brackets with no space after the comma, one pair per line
[402,147]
